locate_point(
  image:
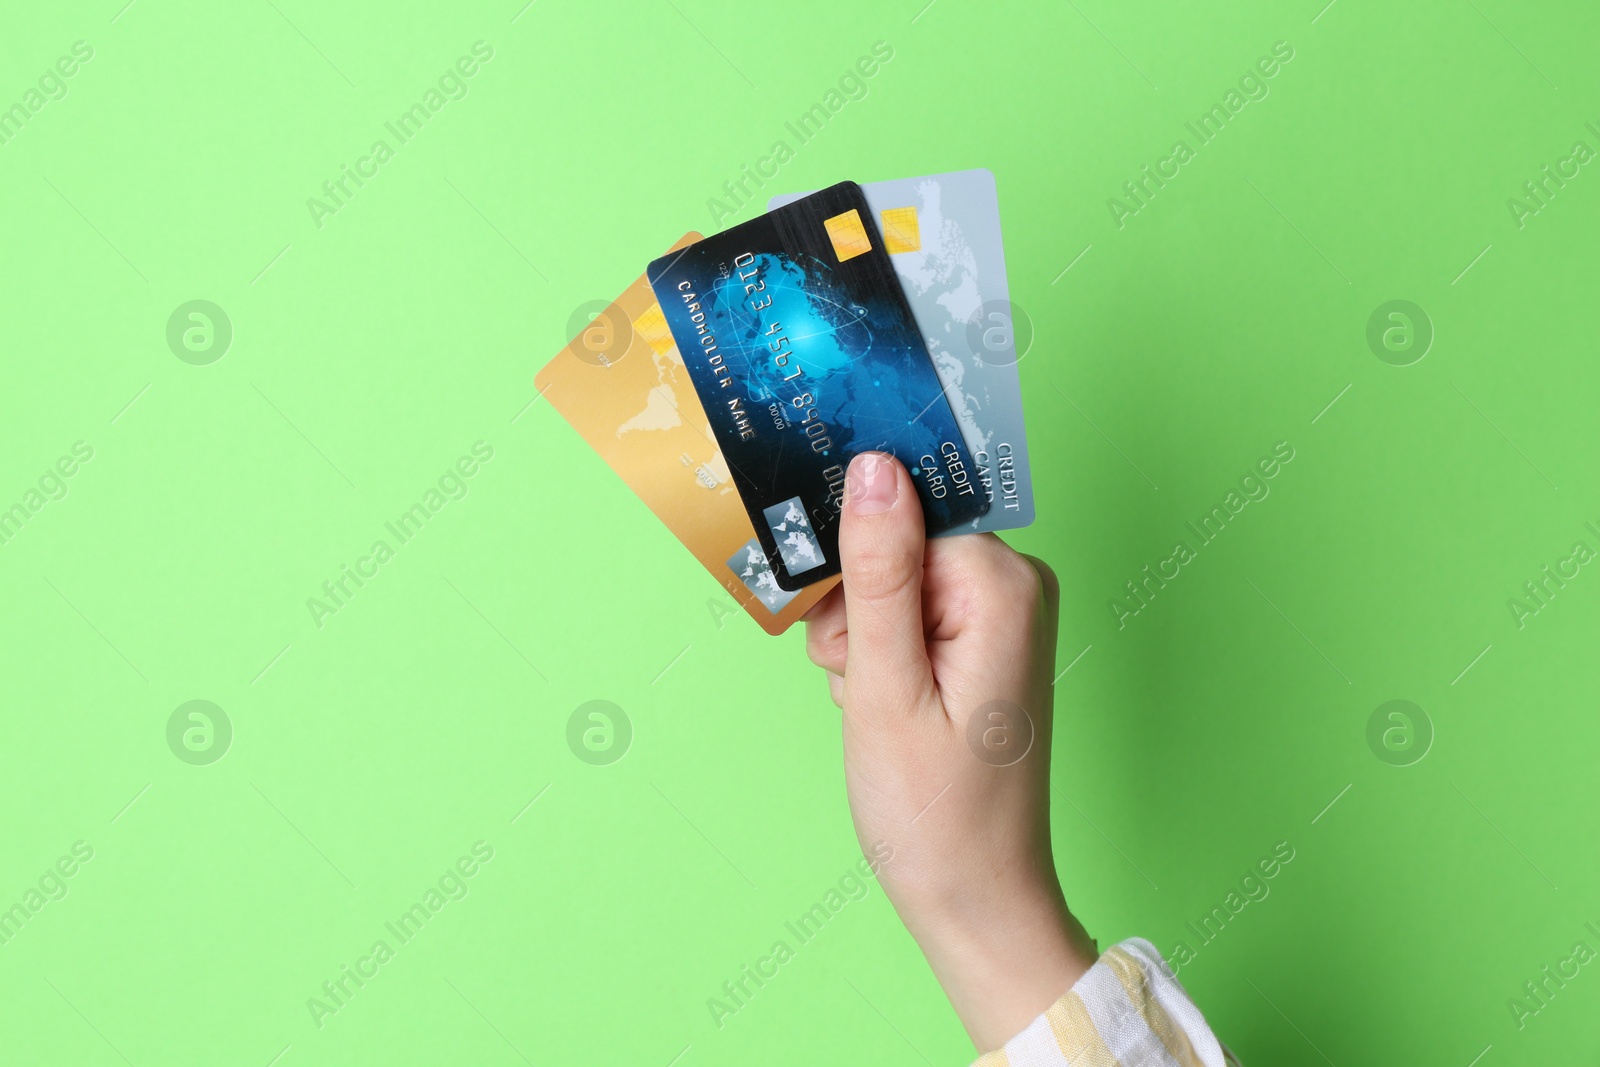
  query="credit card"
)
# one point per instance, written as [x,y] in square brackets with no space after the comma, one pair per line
[623,387]
[942,233]
[804,352]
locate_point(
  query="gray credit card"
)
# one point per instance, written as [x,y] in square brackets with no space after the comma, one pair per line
[942,233]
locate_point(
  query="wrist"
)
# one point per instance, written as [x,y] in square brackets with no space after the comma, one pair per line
[1005,959]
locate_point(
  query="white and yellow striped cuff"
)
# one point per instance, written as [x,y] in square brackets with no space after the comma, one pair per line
[1126,1011]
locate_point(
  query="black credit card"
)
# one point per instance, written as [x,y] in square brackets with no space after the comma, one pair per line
[804,352]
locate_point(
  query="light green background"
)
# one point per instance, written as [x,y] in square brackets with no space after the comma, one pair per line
[368,354]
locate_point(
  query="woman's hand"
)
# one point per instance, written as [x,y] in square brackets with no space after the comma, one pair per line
[941,654]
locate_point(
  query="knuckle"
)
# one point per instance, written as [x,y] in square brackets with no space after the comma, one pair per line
[1049,583]
[836,690]
[998,566]
[883,573]
[814,647]
[1029,581]
[1046,574]
[1022,577]
[1010,592]
[824,651]
[818,648]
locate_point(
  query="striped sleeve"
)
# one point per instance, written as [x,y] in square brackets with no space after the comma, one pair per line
[1128,1010]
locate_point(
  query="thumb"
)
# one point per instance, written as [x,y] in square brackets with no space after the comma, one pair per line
[881,540]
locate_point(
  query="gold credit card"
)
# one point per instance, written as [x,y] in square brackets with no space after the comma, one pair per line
[624,388]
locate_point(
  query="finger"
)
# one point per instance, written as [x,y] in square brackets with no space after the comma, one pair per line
[831,601]
[1045,634]
[954,586]
[825,632]
[881,542]
[977,584]
[836,689]
[1052,589]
